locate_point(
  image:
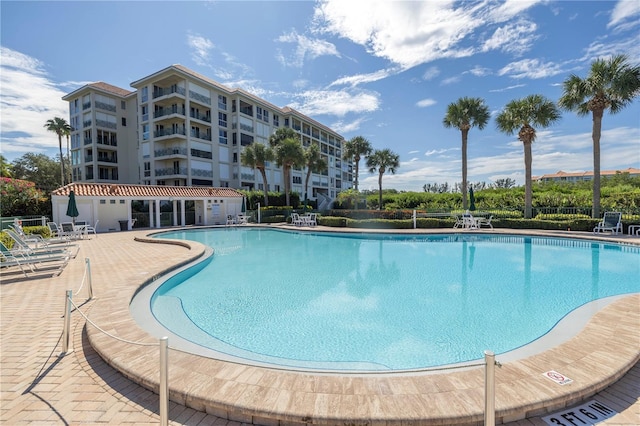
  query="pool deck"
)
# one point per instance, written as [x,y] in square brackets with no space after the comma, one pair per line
[38,385]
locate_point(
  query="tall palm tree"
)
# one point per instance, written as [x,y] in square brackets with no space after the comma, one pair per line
[382,161]
[289,153]
[315,163]
[281,134]
[463,115]
[60,127]
[611,84]
[522,115]
[257,156]
[354,149]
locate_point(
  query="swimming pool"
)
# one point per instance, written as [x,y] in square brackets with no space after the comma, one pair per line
[372,302]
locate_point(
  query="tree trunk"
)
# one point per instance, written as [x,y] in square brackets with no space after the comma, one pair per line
[527,180]
[357,159]
[287,183]
[264,181]
[380,191]
[61,160]
[465,134]
[595,135]
[306,185]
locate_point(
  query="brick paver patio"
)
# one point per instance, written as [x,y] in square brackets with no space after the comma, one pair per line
[39,385]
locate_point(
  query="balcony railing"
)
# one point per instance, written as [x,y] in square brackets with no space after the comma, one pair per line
[107,159]
[86,123]
[200,98]
[168,132]
[175,150]
[202,136]
[201,117]
[88,141]
[168,111]
[86,105]
[169,171]
[201,173]
[106,107]
[164,91]
[107,124]
[248,176]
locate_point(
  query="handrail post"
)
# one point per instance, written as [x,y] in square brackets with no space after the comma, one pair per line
[67,322]
[489,388]
[414,219]
[259,213]
[89,283]
[164,381]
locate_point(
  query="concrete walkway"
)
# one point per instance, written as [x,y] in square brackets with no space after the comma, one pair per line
[41,386]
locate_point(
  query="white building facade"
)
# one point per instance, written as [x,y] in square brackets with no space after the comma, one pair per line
[179,128]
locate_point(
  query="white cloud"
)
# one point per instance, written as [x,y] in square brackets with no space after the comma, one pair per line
[504,89]
[29,98]
[343,127]
[450,80]
[340,103]
[515,38]
[413,33]
[355,80]
[430,73]
[306,48]
[426,103]
[479,71]
[531,68]
[624,15]
[200,49]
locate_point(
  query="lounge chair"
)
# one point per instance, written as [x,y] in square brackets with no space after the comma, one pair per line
[612,221]
[22,246]
[21,259]
[483,221]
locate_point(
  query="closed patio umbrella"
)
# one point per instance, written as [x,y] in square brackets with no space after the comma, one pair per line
[72,207]
[244,207]
[472,200]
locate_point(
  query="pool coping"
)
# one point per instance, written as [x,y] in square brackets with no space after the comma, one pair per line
[256,394]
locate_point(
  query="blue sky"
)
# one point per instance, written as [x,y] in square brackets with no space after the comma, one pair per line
[385,70]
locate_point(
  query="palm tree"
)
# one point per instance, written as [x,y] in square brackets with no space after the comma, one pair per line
[257,156]
[611,84]
[315,163]
[523,115]
[382,160]
[5,167]
[289,153]
[60,127]
[355,149]
[463,115]
[281,134]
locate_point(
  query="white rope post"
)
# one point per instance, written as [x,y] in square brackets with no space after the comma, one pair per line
[164,381]
[489,388]
[88,267]
[259,213]
[414,220]
[67,321]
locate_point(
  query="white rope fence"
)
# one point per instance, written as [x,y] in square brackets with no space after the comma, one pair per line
[163,343]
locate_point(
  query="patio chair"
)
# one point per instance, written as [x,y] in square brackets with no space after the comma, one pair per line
[296,219]
[612,221]
[230,220]
[469,222]
[483,221]
[312,219]
[70,230]
[92,229]
[459,222]
[242,219]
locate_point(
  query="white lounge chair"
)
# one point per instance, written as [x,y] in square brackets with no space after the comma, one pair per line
[21,258]
[483,221]
[612,221]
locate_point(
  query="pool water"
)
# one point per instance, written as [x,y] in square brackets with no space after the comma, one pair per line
[383,302]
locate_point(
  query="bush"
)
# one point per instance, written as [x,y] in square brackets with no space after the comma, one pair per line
[6,240]
[278,218]
[336,222]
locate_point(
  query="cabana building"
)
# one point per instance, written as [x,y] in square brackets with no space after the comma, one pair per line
[121,207]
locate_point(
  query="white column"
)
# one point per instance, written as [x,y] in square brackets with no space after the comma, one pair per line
[157,213]
[174,216]
[183,216]
[151,221]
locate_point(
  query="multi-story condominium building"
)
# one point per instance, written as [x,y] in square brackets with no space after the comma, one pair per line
[180,128]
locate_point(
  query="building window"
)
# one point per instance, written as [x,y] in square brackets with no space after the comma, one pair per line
[222,119]
[222,136]
[144,94]
[235,157]
[147,169]
[123,105]
[145,132]
[276,120]
[124,121]
[222,102]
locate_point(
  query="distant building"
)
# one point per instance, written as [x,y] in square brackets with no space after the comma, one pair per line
[582,176]
[179,128]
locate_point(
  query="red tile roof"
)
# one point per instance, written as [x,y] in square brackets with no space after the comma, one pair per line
[110,88]
[146,191]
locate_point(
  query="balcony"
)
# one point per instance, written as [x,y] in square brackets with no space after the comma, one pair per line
[105,107]
[168,132]
[171,171]
[88,141]
[199,98]
[167,91]
[248,176]
[202,136]
[107,159]
[106,124]
[201,117]
[163,112]
[201,173]
[171,151]
[86,123]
